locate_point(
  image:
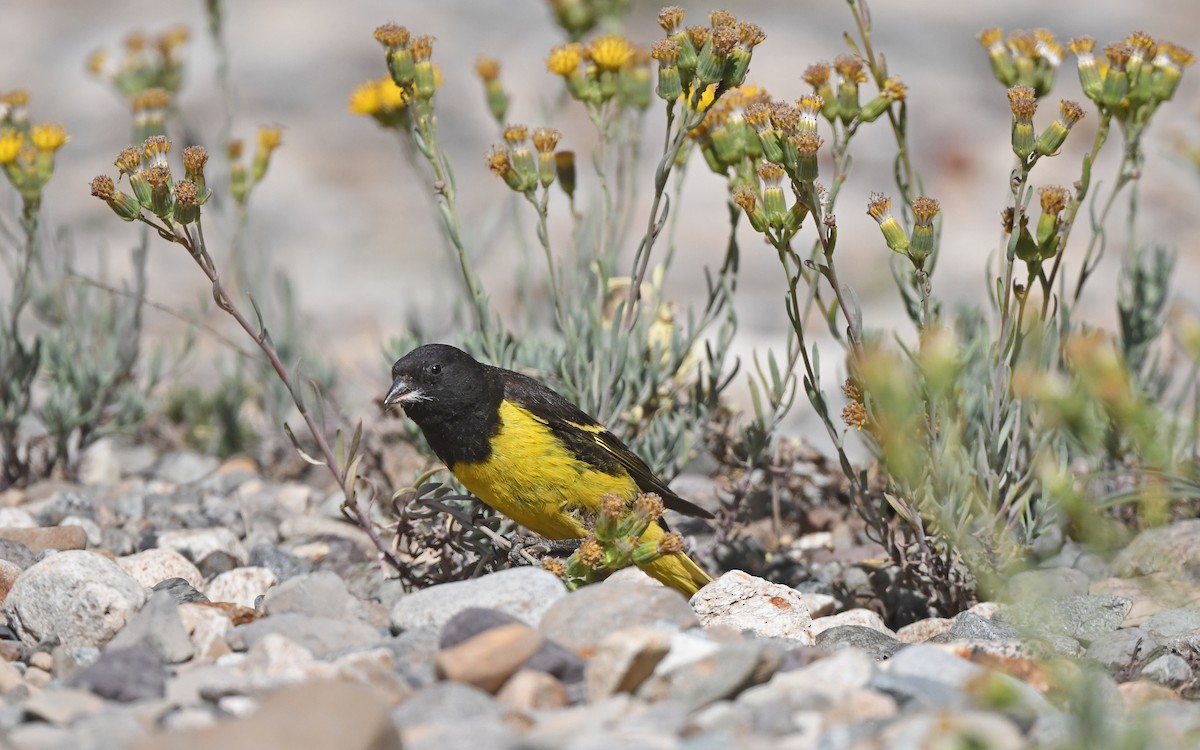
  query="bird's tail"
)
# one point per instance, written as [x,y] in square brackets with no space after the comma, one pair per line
[678,571]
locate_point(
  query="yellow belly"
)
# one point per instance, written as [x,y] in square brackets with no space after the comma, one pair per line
[531,478]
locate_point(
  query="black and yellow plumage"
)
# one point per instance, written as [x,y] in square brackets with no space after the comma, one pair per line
[528,452]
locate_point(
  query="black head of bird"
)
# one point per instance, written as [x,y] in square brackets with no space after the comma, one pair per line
[438,381]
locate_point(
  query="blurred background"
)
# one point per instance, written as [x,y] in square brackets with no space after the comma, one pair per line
[344,215]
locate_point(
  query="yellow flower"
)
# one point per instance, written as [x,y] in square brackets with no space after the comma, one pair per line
[270,138]
[706,99]
[48,137]
[381,95]
[364,100]
[565,60]
[10,146]
[610,52]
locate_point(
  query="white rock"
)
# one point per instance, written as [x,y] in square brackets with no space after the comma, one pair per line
[741,601]
[206,626]
[197,544]
[16,518]
[79,598]
[864,617]
[90,527]
[98,465]
[922,630]
[819,605]
[525,593]
[155,565]
[241,585]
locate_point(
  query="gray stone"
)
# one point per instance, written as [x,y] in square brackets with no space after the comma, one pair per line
[1171,670]
[180,590]
[90,528]
[243,586]
[185,467]
[743,602]
[77,598]
[159,626]
[585,617]
[723,674]
[1173,623]
[870,640]
[413,654]
[16,553]
[111,727]
[525,593]
[283,564]
[550,657]
[1035,587]
[1173,549]
[125,675]
[63,705]
[1121,649]
[158,564]
[197,544]
[968,626]
[322,636]
[445,703]
[624,660]
[322,593]
[490,732]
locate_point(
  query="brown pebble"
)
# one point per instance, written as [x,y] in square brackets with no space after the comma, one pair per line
[54,537]
[490,658]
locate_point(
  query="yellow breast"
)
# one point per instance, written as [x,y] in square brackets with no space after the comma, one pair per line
[534,480]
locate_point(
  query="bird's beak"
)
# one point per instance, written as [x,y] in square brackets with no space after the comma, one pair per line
[399,392]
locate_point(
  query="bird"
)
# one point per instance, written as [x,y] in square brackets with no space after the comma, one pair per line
[528,452]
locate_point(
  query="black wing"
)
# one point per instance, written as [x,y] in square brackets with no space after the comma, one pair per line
[589,440]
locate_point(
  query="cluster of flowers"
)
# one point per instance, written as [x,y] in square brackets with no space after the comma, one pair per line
[411,81]
[27,150]
[615,542]
[514,162]
[148,75]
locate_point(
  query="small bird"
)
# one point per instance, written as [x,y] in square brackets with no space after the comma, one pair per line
[528,452]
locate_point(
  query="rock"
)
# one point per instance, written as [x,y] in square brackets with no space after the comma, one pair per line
[444,702]
[922,630]
[41,539]
[157,564]
[741,601]
[8,576]
[241,586]
[1172,624]
[1173,549]
[525,593]
[969,626]
[870,640]
[1121,649]
[159,626]
[197,544]
[533,690]
[126,675]
[63,706]
[1035,587]
[16,518]
[322,593]
[583,618]
[862,617]
[960,729]
[207,628]
[309,527]
[16,553]
[550,657]
[819,605]
[320,635]
[185,467]
[181,591]
[283,564]
[1080,617]
[274,661]
[1171,670]
[723,674]
[297,717]
[833,677]
[1150,595]
[215,563]
[624,660]
[78,598]
[10,677]
[90,528]
[487,660]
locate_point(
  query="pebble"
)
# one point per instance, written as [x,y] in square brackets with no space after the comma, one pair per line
[488,659]
[242,586]
[152,566]
[583,618]
[125,675]
[41,539]
[159,626]
[322,636]
[525,593]
[624,660]
[745,603]
[197,544]
[77,598]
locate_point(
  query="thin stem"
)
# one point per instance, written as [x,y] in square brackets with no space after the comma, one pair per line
[540,205]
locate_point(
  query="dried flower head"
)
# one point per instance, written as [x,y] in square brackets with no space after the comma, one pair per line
[499,160]
[724,39]
[771,174]
[103,188]
[186,194]
[151,99]
[670,544]
[515,135]
[1022,102]
[666,51]
[1053,198]
[194,158]
[745,198]
[855,415]
[924,209]
[128,160]
[591,553]
[699,35]
[421,48]
[850,68]
[721,18]
[545,140]
[392,36]
[751,34]
[670,19]
[817,75]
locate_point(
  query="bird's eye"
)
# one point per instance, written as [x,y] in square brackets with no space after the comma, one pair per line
[435,369]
